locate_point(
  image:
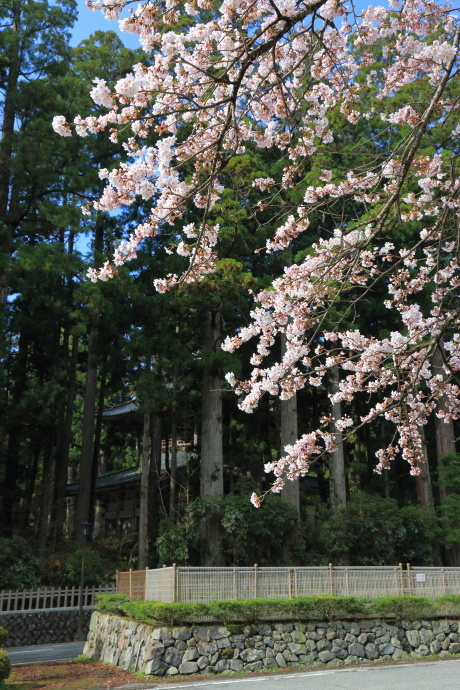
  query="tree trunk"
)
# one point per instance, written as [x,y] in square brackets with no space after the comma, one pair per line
[144,497]
[63,445]
[423,480]
[85,488]
[99,515]
[11,445]
[29,491]
[94,504]
[6,151]
[337,479]
[173,474]
[46,495]
[87,479]
[445,448]
[173,469]
[212,475]
[14,426]
[445,437]
[71,505]
[154,478]
[289,435]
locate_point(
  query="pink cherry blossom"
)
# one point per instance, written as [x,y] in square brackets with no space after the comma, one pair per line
[276,74]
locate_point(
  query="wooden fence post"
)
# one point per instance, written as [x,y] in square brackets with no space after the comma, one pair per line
[130,582]
[234,584]
[347,584]
[289,583]
[331,588]
[401,577]
[443,580]
[175,587]
[296,590]
[163,583]
[255,580]
[409,579]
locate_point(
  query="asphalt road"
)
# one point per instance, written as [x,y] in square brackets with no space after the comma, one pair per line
[443,674]
[436,675]
[41,654]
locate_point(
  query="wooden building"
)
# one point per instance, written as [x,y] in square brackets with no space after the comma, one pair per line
[117,493]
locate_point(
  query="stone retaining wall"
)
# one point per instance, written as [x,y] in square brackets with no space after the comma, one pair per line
[217,649]
[43,627]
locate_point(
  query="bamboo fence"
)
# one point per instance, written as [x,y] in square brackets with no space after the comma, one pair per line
[201,584]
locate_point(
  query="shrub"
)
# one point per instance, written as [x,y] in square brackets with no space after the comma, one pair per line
[104,557]
[451,603]
[415,538]
[3,636]
[256,610]
[404,608]
[112,603]
[65,568]
[5,665]
[371,530]
[19,568]
[176,544]
[449,475]
[268,536]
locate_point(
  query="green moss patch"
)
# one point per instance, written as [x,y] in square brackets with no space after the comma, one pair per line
[302,608]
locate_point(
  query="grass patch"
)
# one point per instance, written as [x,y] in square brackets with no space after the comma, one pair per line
[81,659]
[257,610]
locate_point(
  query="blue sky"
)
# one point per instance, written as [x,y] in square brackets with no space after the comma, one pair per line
[88,22]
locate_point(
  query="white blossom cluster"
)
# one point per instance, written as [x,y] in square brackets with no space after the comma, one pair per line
[276,74]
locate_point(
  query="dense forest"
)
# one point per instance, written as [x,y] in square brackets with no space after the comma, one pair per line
[116,380]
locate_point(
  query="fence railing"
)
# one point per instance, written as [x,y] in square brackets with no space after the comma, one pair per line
[194,584]
[50,598]
[133,583]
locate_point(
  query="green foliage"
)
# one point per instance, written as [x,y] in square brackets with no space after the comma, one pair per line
[104,557]
[3,636]
[19,568]
[5,665]
[112,603]
[405,608]
[452,601]
[246,611]
[268,536]
[256,610]
[175,544]
[65,568]
[51,303]
[449,476]
[371,530]
[415,537]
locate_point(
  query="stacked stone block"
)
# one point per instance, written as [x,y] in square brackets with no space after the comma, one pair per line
[221,649]
[42,627]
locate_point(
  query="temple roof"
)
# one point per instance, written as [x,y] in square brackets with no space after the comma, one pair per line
[122,408]
[132,475]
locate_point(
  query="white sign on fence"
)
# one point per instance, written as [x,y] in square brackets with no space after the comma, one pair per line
[420,577]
